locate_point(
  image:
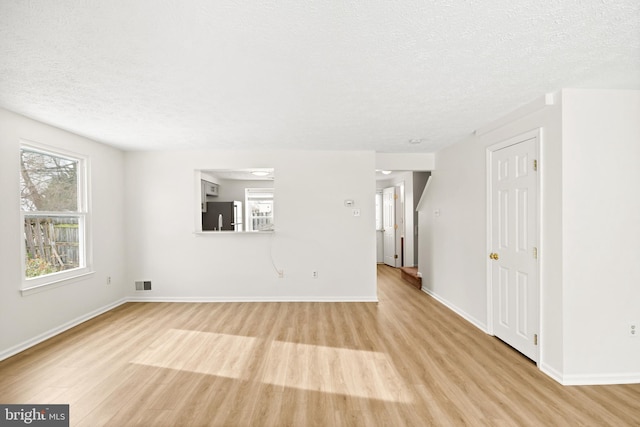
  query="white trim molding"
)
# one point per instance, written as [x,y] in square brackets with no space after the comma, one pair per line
[249,299]
[530,108]
[466,316]
[58,330]
[601,379]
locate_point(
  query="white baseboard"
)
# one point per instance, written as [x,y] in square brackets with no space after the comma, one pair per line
[250,299]
[601,379]
[551,372]
[475,322]
[5,354]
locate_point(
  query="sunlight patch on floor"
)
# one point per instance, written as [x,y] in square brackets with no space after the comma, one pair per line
[203,352]
[357,373]
[324,369]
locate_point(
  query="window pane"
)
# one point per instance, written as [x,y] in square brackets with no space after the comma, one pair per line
[48,182]
[379,211]
[52,244]
[261,215]
[259,202]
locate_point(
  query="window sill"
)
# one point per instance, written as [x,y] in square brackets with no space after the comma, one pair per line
[30,289]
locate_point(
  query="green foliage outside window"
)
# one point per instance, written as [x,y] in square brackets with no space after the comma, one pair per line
[38,267]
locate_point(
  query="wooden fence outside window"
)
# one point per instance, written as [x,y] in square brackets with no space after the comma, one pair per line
[52,244]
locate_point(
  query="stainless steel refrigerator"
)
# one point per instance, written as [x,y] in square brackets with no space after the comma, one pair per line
[222,216]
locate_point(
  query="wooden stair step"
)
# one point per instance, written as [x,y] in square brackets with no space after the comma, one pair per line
[410,274]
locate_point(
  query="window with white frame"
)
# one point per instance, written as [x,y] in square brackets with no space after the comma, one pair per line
[54,213]
[259,209]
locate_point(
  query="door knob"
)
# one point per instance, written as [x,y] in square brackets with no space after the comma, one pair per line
[494,256]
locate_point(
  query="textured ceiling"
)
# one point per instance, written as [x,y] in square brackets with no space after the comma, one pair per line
[294,74]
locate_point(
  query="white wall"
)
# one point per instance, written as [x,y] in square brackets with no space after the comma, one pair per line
[405,161]
[314,230]
[144,230]
[590,238]
[25,320]
[601,234]
[453,252]
[452,262]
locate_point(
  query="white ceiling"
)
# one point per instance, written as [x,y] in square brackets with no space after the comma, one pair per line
[302,74]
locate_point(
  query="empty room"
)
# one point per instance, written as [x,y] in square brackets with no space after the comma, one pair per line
[331,213]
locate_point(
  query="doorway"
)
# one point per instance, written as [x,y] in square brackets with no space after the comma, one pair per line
[389,227]
[409,187]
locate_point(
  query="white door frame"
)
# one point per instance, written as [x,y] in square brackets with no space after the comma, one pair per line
[390,230]
[400,224]
[536,133]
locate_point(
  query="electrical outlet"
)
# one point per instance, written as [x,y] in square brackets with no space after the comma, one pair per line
[314,274]
[633,329]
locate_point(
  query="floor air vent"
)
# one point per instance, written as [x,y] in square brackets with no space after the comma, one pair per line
[143,285]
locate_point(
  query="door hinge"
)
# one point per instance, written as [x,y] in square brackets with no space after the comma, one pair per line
[535,339]
[535,253]
[535,165]
[395,226]
[395,197]
[395,256]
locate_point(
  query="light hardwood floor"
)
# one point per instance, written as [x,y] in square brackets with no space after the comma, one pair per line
[406,360]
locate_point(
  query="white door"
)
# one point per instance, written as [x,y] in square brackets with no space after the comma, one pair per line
[389,225]
[513,246]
